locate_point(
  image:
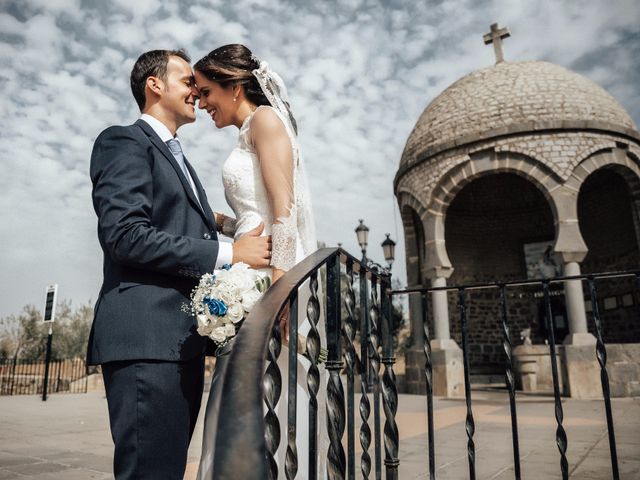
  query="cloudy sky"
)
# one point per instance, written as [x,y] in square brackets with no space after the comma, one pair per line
[359,74]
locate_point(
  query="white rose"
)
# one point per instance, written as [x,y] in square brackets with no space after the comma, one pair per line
[218,334]
[222,276]
[235,312]
[205,331]
[204,325]
[240,266]
[228,295]
[218,322]
[230,330]
[245,281]
[249,299]
[203,321]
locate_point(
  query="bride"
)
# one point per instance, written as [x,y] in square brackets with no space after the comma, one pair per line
[264,182]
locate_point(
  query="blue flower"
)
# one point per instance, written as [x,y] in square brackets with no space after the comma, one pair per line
[226,266]
[216,307]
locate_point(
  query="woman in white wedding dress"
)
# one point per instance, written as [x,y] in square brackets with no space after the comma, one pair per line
[264,182]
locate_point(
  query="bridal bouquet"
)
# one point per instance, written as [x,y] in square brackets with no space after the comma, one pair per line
[221,301]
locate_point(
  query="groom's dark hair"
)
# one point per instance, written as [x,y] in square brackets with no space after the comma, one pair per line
[152,64]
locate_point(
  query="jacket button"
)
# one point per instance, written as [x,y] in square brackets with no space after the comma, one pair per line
[207,236]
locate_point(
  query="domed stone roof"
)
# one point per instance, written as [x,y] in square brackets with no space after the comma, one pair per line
[512,97]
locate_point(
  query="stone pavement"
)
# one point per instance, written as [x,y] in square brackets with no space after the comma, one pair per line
[67,438]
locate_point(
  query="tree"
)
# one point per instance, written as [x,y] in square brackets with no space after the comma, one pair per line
[72,333]
[24,336]
[11,338]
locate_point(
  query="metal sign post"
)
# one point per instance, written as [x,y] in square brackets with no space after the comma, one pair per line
[48,317]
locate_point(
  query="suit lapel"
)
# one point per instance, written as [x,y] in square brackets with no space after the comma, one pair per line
[160,145]
[202,195]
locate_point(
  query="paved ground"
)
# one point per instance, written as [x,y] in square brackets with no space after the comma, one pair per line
[68,438]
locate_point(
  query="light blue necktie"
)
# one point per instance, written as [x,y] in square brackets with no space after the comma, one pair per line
[176,150]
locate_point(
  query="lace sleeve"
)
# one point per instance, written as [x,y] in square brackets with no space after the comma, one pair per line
[275,155]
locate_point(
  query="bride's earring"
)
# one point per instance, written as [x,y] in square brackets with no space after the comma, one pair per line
[235,99]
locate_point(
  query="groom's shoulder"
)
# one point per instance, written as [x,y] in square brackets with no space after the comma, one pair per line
[121,132]
[127,139]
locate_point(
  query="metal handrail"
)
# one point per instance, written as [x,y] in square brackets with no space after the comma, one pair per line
[240,445]
[518,283]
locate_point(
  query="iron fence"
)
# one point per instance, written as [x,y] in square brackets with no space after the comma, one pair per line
[338,292]
[19,377]
[462,291]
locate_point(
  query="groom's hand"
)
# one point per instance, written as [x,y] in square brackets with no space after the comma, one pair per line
[253,249]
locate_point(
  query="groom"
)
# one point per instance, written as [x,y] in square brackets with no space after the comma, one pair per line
[158,235]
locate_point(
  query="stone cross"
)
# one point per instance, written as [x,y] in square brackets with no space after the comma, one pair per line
[495,36]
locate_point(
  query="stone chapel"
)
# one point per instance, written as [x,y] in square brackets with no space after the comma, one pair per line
[523,169]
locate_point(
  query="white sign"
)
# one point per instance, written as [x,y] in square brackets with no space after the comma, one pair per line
[50,303]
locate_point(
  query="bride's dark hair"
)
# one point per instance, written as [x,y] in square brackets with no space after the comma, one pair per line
[232,65]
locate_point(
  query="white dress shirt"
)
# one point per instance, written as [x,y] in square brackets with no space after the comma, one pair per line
[225,249]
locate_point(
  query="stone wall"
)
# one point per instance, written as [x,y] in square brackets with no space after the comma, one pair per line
[623,365]
[487,225]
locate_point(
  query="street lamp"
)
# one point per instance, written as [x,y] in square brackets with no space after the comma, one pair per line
[362,231]
[389,249]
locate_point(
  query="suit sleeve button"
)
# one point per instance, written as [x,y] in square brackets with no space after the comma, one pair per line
[207,236]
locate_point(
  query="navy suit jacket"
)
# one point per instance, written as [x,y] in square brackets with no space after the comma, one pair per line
[157,241]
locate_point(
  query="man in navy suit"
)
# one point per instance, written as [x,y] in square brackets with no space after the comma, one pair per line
[158,235]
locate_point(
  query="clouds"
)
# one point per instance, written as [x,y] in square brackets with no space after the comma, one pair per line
[359,75]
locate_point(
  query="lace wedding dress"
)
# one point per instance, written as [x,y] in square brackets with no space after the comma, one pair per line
[290,222]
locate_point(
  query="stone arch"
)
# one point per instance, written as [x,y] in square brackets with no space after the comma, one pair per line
[590,151]
[608,209]
[480,164]
[486,163]
[411,211]
[406,198]
[621,161]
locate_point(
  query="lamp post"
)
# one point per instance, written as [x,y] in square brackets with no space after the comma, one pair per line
[362,231]
[389,250]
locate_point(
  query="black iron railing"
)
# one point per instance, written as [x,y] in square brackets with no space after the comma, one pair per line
[19,377]
[600,351]
[340,294]
[253,382]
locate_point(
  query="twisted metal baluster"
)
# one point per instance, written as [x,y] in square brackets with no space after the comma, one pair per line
[374,314]
[389,388]
[469,424]
[365,408]
[348,333]
[313,375]
[561,436]
[336,461]
[272,382]
[506,344]
[291,456]
[601,353]
[428,367]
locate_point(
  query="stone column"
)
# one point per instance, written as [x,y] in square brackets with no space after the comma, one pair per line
[578,355]
[441,336]
[446,356]
[448,373]
[574,299]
